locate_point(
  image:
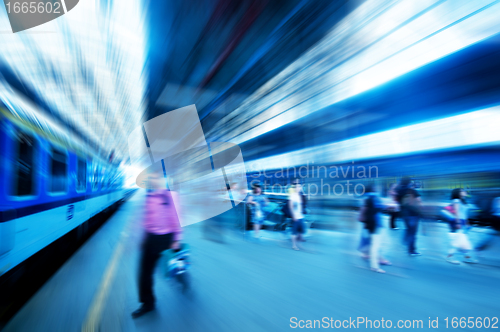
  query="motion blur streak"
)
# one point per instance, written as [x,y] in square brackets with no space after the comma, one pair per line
[481,128]
[86,67]
[379,41]
[306,147]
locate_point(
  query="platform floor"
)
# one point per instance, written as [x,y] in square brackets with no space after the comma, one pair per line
[242,284]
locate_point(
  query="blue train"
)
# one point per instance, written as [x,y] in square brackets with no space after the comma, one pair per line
[50,186]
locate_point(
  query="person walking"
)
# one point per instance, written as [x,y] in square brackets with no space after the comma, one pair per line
[162,231]
[296,206]
[373,225]
[410,207]
[394,210]
[257,201]
[458,224]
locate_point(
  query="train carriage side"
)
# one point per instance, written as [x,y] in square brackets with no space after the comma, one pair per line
[47,191]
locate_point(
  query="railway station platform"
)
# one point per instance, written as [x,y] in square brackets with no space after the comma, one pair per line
[247,284]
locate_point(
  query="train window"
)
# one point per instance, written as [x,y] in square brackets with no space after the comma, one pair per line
[101,176]
[81,175]
[104,175]
[24,165]
[102,180]
[110,179]
[95,179]
[58,171]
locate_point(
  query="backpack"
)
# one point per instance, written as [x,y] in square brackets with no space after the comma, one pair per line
[450,208]
[371,211]
[285,209]
[407,200]
[304,202]
[367,211]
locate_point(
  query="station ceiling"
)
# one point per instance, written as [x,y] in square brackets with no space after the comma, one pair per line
[252,68]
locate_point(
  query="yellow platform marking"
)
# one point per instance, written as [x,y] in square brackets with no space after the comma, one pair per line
[93,318]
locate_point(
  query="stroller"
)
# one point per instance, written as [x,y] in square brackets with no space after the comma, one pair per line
[175,263]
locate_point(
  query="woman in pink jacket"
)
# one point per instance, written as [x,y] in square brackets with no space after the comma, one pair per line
[162,231]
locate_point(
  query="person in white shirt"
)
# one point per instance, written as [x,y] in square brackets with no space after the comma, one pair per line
[459,239]
[296,208]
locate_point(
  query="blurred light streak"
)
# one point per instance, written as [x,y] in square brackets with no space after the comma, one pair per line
[89,70]
[475,128]
[27,112]
[378,42]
